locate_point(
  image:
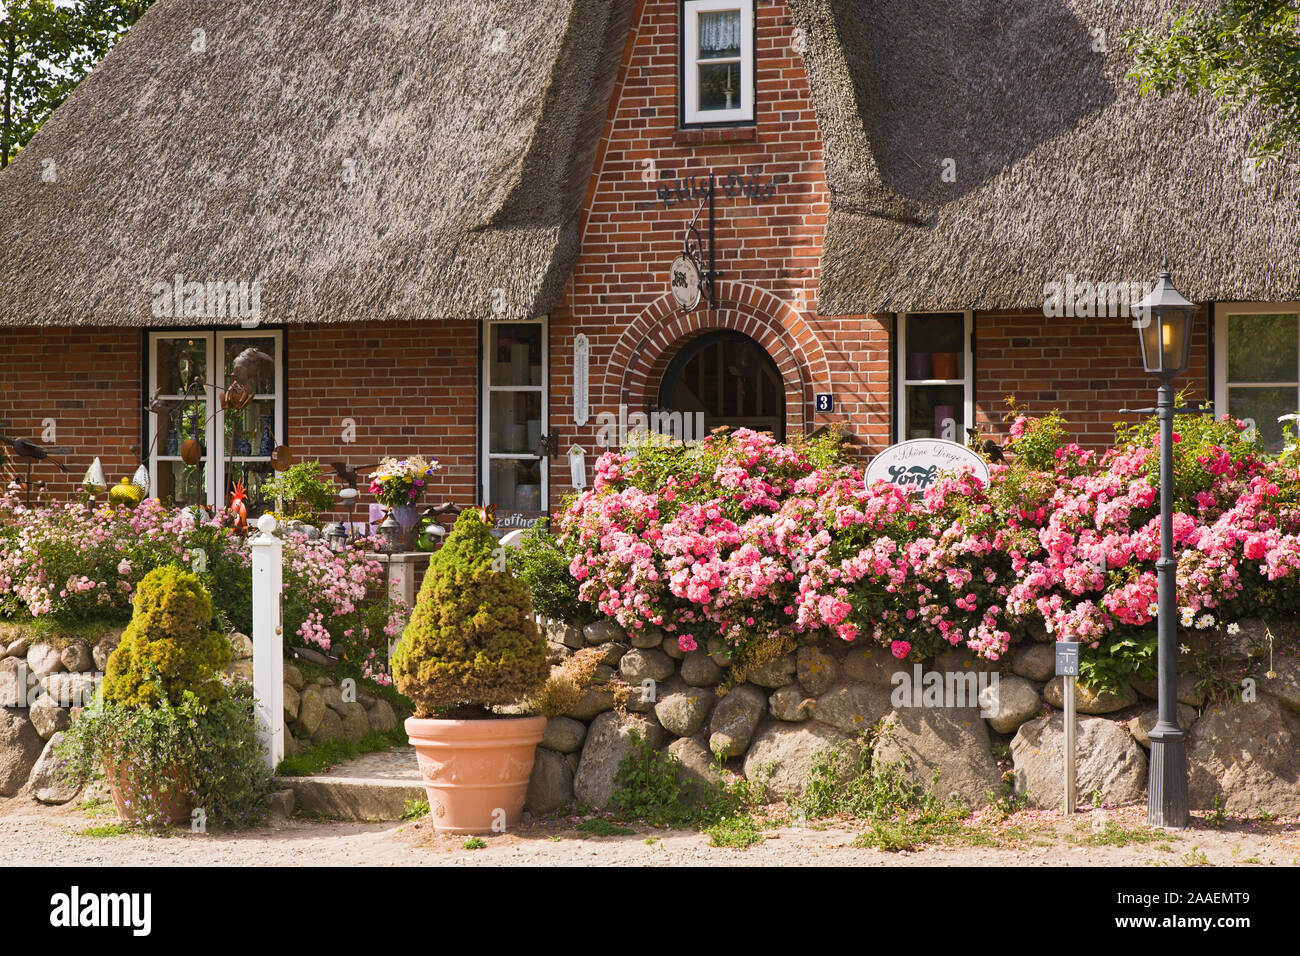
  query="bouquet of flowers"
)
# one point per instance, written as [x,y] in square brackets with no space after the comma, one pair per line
[398,482]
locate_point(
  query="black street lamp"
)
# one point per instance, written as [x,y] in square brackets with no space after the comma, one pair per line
[1164,325]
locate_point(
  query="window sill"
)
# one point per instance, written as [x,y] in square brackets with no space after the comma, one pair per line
[707,136]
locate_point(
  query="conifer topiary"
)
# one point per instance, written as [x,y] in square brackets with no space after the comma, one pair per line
[471,639]
[170,646]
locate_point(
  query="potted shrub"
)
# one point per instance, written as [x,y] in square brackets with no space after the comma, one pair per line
[168,734]
[301,493]
[471,645]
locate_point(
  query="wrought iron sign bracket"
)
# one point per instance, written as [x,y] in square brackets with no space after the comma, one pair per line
[694,249]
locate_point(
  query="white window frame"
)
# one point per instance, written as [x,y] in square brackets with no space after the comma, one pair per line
[486,455]
[966,382]
[216,458]
[1222,310]
[690,62]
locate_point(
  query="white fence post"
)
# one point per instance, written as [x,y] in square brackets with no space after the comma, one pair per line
[268,638]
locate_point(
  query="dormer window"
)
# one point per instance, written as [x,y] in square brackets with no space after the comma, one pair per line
[717,62]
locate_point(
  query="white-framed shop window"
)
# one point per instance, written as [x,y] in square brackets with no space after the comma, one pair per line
[934,376]
[717,61]
[234,444]
[1257,364]
[516,359]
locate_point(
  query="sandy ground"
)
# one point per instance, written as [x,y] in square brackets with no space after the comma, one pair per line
[34,835]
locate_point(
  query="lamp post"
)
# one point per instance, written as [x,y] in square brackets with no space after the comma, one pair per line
[1164,327]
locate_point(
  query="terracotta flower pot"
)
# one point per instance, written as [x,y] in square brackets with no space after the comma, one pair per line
[475,769]
[175,804]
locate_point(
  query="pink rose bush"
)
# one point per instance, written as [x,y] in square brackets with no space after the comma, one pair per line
[746,541]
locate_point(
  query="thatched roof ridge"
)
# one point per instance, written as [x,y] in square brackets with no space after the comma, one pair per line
[1061,167]
[359,159]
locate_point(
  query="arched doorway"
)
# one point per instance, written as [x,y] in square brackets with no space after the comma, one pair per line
[729,378]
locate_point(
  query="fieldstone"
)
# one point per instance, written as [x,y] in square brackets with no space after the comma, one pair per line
[550,788]
[565,634]
[697,769]
[594,701]
[20,748]
[331,727]
[609,740]
[243,670]
[1251,639]
[1086,700]
[313,656]
[852,707]
[817,670]
[44,659]
[76,657]
[311,710]
[103,648]
[957,660]
[611,653]
[1247,754]
[952,741]
[682,712]
[775,673]
[871,664]
[366,700]
[1034,661]
[291,744]
[640,664]
[790,703]
[70,690]
[557,653]
[782,755]
[1140,725]
[719,652]
[16,648]
[671,648]
[15,681]
[602,674]
[735,718]
[564,735]
[241,646]
[333,697]
[698,669]
[381,716]
[602,632]
[1009,703]
[1285,686]
[1109,761]
[47,782]
[293,677]
[646,637]
[642,698]
[291,701]
[48,717]
[356,723]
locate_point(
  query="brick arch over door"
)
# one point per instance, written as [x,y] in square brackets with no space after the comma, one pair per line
[650,342]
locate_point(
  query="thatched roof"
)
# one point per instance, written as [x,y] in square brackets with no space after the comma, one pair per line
[1061,167]
[471,128]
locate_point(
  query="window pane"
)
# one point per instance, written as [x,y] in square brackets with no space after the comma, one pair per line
[187,420]
[936,411]
[934,346]
[250,432]
[515,354]
[720,34]
[261,373]
[176,357]
[720,86]
[254,475]
[515,422]
[1262,406]
[180,484]
[515,485]
[1262,348]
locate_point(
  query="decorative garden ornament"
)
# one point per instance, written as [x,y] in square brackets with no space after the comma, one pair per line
[281,457]
[125,493]
[141,479]
[94,482]
[190,453]
[237,507]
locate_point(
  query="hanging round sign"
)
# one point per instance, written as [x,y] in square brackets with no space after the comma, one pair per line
[915,465]
[684,279]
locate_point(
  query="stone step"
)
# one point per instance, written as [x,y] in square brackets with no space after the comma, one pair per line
[353,798]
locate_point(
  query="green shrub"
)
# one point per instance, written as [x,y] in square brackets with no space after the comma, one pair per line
[542,563]
[169,648]
[302,493]
[471,640]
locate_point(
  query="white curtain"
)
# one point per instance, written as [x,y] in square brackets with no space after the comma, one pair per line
[720,31]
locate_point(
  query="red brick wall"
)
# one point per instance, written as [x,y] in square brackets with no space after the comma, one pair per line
[1087,368]
[88,382]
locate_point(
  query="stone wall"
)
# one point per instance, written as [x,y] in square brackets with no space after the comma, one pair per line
[1245,751]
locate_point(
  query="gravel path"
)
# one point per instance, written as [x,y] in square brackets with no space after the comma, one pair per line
[32,835]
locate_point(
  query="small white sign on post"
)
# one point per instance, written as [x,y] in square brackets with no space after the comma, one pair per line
[268,638]
[581,379]
[577,467]
[917,464]
[1067,668]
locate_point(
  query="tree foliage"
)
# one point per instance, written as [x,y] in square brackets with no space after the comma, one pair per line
[1243,52]
[46,48]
